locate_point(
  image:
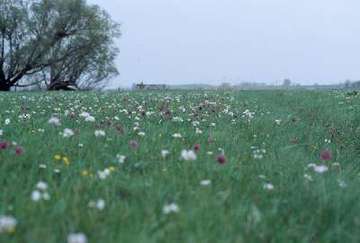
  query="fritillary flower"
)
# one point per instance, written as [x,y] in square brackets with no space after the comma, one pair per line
[326,155]
[221,159]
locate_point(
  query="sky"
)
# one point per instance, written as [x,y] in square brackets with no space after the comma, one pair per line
[216,41]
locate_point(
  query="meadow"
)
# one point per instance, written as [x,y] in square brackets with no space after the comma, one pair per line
[180,166]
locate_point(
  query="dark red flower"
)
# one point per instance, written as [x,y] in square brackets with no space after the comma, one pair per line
[197,148]
[4,145]
[221,159]
[326,155]
[19,150]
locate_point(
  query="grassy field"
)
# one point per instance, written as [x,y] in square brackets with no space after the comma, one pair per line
[195,166]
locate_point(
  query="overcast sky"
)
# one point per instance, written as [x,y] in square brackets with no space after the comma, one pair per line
[211,41]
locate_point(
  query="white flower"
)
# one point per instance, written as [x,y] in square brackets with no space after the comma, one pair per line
[42,166]
[77,238]
[177,119]
[205,183]
[141,134]
[121,158]
[68,133]
[100,133]
[7,121]
[1,132]
[188,155]
[195,123]
[7,224]
[308,177]
[164,153]
[321,169]
[278,122]
[46,196]
[85,114]
[311,165]
[176,135]
[198,131]
[99,204]
[42,186]
[36,196]
[103,174]
[170,208]
[54,121]
[342,183]
[268,186]
[90,119]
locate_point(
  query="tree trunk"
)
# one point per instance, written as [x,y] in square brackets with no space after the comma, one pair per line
[4,86]
[66,86]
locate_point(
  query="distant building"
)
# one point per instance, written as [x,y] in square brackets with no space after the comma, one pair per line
[142,86]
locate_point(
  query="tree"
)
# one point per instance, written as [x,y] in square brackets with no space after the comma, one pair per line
[56,42]
[287,82]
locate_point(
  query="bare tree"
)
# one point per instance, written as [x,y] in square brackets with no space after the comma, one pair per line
[55,41]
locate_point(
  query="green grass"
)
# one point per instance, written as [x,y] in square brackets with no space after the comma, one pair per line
[234,208]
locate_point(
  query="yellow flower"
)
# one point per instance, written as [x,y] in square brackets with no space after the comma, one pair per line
[85,173]
[112,168]
[66,161]
[57,157]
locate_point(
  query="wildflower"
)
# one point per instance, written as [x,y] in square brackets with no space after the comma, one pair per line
[205,183]
[164,153]
[342,183]
[170,208]
[40,192]
[42,186]
[77,238]
[66,160]
[326,155]
[177,135]
[90,119]
[68,133]
[100,133]
[188,155]
[19,150]
[141,134]
[308,177]
[57,157]
[1,132]
[7,224]
[258,153]
[103,174]
[221,159]
[54,121]
[268,186]
[42,166]
[99,204]
[121,158]
[4,145]
[7,121]
[85,173]
[320,169]
[198,131]
[278,122]
[85,114]
[36,196]
[197,147]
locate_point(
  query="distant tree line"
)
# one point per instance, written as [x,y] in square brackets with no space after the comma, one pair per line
[55,44]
